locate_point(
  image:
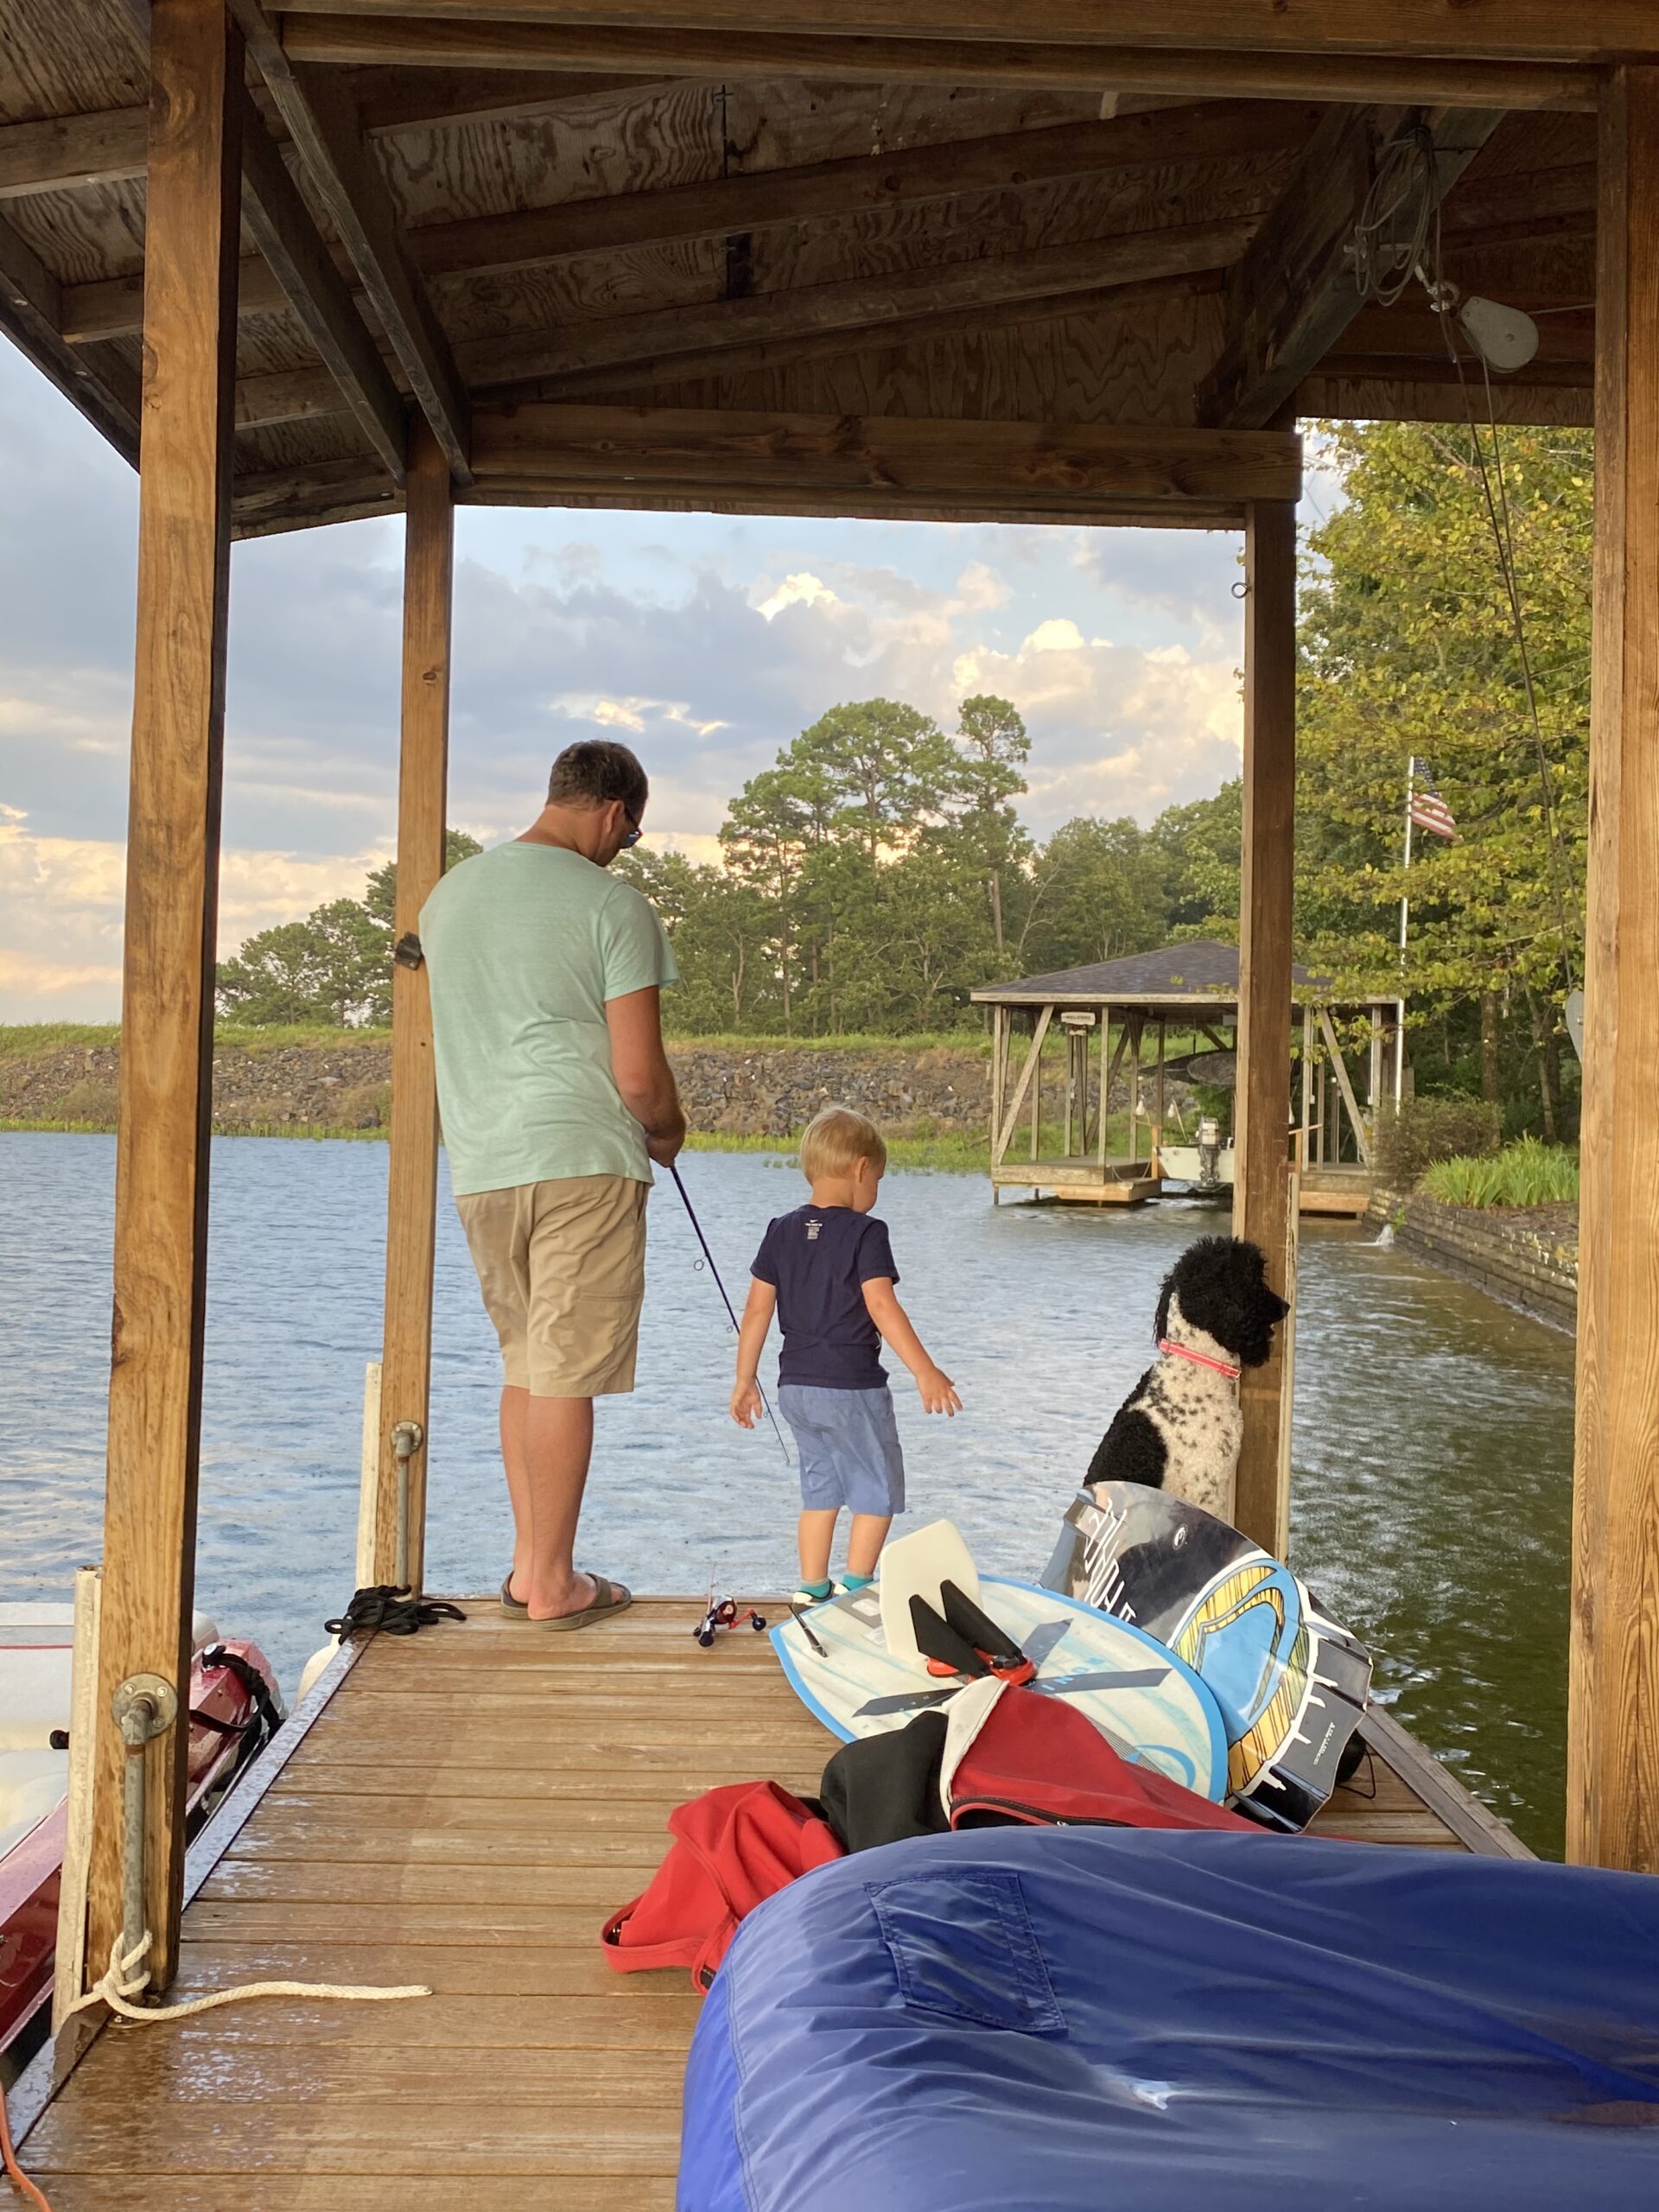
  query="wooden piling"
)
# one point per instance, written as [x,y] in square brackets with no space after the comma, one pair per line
[1612,1801]
[1261,1170]
[412,1172]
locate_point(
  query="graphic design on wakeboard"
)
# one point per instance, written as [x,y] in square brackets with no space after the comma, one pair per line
[1146,1701]
[1291,1684]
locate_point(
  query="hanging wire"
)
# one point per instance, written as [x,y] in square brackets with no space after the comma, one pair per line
[1398,228]
[1496,498]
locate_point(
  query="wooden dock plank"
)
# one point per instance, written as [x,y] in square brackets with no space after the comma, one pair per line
[464,1813]
[384,2192]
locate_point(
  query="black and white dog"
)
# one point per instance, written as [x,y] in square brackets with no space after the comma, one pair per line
[1179,1428]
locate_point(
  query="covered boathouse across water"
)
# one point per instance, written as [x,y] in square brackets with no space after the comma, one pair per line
[949,259]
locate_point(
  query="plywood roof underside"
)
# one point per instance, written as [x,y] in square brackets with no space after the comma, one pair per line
[807,247]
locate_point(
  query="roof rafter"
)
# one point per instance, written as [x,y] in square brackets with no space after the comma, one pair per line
[109,145]
[1520,30]
[1212,131]
[299,260]
[105,388]
[323,123]
[725,205]
[1295,293]
[437,41]
[297,394]
[688,340]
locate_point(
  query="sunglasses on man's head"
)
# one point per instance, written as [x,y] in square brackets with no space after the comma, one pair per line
[635,833]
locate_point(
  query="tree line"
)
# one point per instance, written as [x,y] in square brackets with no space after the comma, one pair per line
[880,868]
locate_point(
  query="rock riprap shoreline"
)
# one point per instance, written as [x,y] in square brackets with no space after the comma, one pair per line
[769,1090]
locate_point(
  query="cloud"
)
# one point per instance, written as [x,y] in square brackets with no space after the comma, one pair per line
[707,643]
[62,901]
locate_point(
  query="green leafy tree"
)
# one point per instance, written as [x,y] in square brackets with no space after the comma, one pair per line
[331,968]
[994,748]
[1408,647]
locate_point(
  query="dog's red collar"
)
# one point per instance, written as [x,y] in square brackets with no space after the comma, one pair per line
[1198,1358]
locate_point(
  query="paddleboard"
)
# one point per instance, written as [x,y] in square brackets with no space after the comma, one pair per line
[1144,1698]
[1291,1684]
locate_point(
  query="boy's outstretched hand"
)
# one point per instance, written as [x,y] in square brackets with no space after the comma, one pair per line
[747,1404]
[938,1391]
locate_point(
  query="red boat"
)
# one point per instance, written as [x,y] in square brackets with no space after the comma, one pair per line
[234,1710]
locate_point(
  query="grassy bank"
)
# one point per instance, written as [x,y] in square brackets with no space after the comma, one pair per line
[19,1040]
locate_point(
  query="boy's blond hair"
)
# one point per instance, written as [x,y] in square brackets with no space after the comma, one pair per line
[836,1139]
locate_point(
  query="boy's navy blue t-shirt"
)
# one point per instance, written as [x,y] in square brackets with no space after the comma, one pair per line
[818,1260]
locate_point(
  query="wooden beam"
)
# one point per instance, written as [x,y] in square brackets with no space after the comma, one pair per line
[68,150]
[113,307]
[1339,1069]
[1594,30]
[1612,1812]
[1008,161]
[412,1175]
[66,153]
[293,394]
[322,122]
[1261,1129]
[692,339]
[894,456]
[458,38]
[161,1156]
[1027,1068]
[393,101]
[95,379]
[280,224]
[1295,293]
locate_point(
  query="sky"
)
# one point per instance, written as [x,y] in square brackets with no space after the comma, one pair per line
[706,642]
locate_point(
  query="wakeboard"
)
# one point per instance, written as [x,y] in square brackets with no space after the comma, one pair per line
[1144,1698]
[1291,1684]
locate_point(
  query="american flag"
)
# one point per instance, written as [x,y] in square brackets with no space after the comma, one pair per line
[1428,809]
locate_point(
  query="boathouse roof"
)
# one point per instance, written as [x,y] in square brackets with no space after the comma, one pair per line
[731,269]
[1201,971]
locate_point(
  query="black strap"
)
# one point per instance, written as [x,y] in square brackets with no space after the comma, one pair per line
[394,1611]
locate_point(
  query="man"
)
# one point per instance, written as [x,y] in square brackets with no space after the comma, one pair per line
[556,1096]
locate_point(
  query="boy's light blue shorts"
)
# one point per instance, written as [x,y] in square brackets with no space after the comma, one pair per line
[848,1443]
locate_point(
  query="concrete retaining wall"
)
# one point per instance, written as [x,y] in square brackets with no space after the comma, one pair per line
[1526,1256]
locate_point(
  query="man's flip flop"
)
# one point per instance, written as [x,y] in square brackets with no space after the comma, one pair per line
[514,1608]
[608,1598]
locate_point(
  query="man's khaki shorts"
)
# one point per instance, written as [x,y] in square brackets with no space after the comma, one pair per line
[562,1266]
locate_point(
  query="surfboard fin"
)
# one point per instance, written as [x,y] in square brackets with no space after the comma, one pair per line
[1001,1654]
[944,1651]
[962,1640]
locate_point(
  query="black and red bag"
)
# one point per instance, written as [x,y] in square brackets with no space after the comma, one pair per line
[733,1848]
[998,1754]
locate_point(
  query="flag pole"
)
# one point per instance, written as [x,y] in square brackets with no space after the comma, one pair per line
[1399,1003]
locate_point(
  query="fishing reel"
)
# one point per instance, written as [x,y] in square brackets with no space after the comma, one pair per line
[723,1613]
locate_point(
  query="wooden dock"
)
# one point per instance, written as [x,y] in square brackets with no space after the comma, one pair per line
[463,1808]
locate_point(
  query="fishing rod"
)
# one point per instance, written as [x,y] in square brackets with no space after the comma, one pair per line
[731,1311]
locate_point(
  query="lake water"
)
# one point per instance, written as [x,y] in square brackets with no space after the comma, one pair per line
[1433,1464]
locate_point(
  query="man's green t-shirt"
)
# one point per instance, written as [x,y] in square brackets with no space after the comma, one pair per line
[524,945]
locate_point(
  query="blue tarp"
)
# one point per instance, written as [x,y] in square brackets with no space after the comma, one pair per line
[1062,2020]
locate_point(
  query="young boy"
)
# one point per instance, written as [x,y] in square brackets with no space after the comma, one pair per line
[827,1271]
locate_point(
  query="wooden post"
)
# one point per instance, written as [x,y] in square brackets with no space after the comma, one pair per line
[1304,1149]
[1159,1098]
[1612,1798]
[167,1014]
[1262,1166]
[412,1172]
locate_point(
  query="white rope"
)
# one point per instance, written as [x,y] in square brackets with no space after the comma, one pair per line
[126,1975]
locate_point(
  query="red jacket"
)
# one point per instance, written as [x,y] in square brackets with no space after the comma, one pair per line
[733,1847]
